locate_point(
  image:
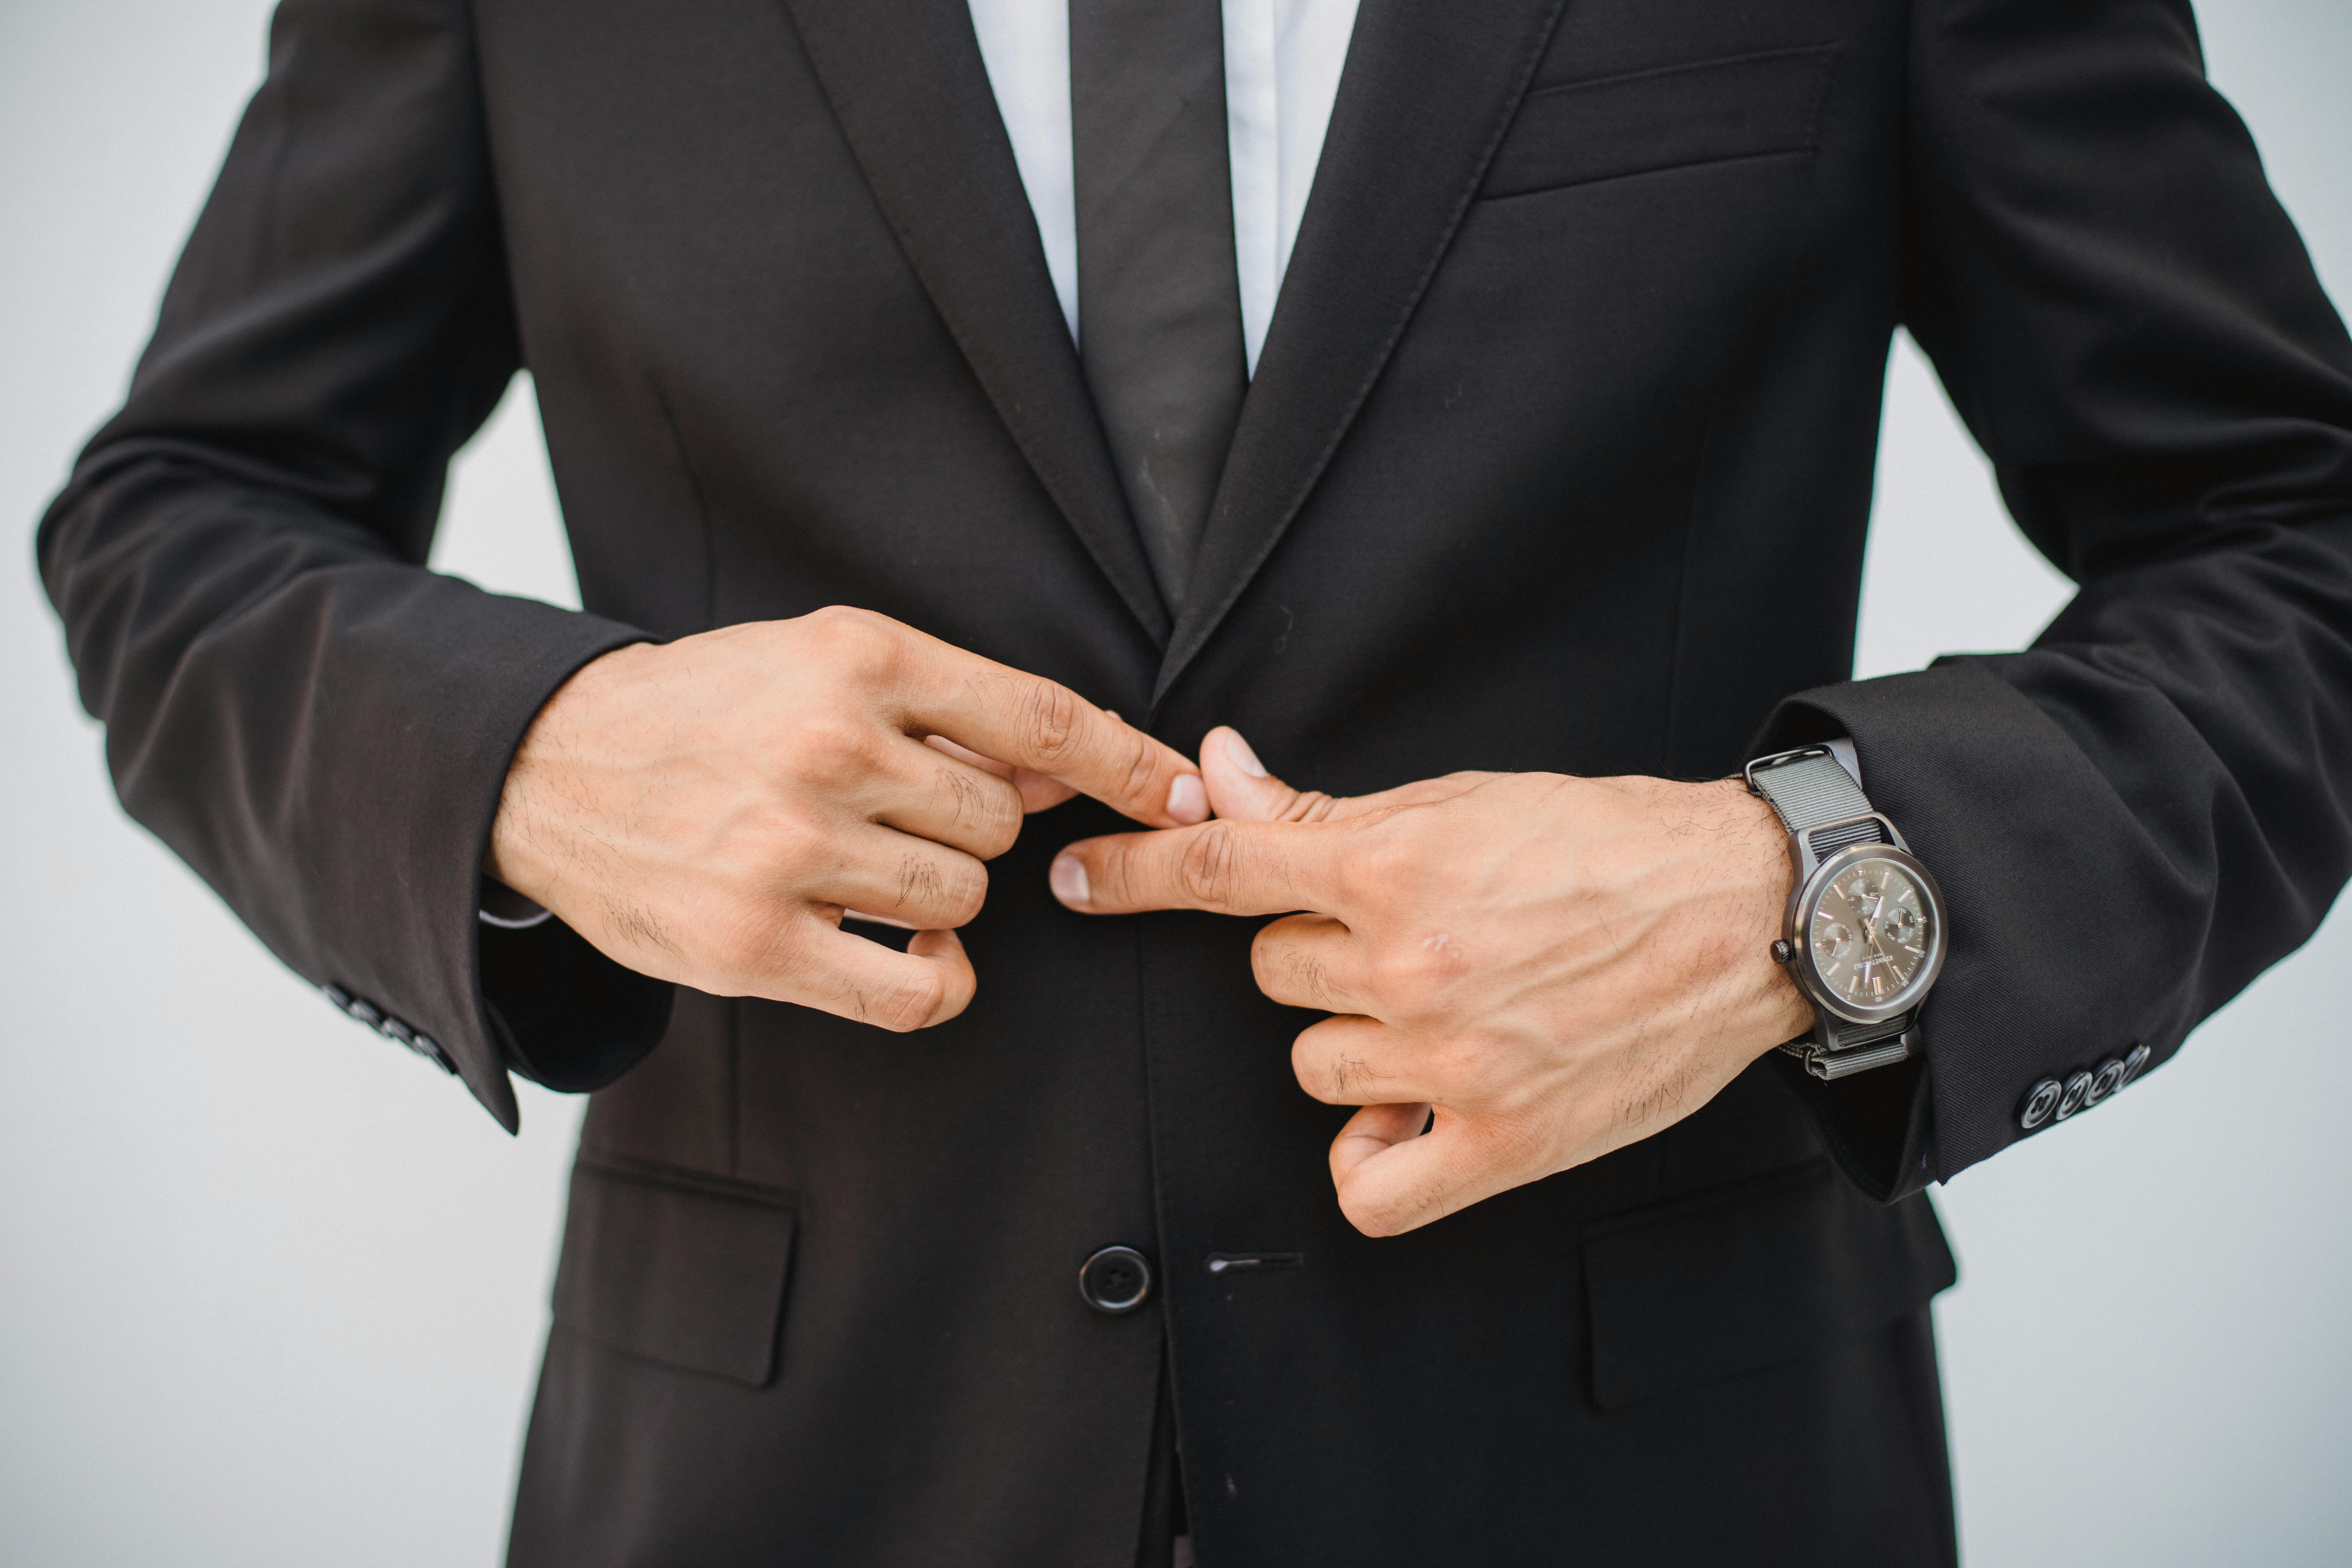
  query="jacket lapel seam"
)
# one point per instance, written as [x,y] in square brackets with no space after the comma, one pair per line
[1014,375]
[1188,641]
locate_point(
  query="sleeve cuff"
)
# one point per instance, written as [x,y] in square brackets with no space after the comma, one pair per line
[504,907]
[564,1015]
[1992,794]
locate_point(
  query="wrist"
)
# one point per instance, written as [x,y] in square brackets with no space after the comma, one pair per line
[1756,847]
[522,854]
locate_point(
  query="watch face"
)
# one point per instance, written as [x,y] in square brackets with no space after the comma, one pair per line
[1870,933]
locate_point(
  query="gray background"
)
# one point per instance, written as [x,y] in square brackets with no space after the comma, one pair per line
[271,1289]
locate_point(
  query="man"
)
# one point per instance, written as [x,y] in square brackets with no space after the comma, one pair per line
[963,409]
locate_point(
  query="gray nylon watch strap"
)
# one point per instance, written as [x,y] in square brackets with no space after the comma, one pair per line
[1809,790]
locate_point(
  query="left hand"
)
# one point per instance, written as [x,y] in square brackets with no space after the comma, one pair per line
[1555,967]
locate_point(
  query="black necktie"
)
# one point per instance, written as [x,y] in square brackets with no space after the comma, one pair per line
[1160,304]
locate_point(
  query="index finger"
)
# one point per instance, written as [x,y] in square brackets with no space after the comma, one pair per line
[1030,722]
[1225,866]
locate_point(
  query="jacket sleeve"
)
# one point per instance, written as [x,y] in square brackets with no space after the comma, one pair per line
[2137,815]
[314,721]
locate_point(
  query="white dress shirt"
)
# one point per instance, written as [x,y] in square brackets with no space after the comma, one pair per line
[1282,71]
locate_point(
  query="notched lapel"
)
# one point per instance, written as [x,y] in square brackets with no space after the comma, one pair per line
[1429,88]
[906,80]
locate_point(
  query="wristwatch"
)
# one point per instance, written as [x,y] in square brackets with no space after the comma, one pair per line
[1864,935]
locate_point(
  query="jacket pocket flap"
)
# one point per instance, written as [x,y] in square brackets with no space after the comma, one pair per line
[1770,1270]
[1586,130]
[686,1274]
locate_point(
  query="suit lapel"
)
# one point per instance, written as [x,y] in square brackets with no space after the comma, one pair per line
[906,80]
[1427,92]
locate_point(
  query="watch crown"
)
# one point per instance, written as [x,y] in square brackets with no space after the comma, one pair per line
[1781,950]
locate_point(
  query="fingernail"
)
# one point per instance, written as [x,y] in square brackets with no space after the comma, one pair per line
[1243,757]
[1187,799]
[1068,879]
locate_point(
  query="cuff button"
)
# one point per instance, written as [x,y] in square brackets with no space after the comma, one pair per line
[2077,1095]
[2109,1078]
[2039,1102]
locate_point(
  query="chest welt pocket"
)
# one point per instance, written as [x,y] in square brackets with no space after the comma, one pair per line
[1707,113]
[1767,1271]
[687,1273]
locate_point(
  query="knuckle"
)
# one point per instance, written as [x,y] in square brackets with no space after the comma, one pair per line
[1406,977]
[1000,831]
[794,851]
[1310,805]
[1330,1081]
[836,752]
[855,642]
[1290,970]
[1143,763]
[748,945]
[1349,1079]
[1380,865]
[908,1002]
[1208,863]
[1050,722]
[940,887]
[987,809]
[1114,872]
[1519,1146]
[1373,1214]
[965,892]
[1472,1074]
[923,886]
[1335,1071]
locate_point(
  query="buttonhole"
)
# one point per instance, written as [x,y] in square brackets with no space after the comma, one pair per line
[1234,1262]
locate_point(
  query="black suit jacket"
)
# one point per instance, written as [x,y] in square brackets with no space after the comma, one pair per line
[1558,457]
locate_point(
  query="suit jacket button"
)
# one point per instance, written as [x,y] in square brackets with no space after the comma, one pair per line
[2039,1102]
[1115,1280]
[366,1012]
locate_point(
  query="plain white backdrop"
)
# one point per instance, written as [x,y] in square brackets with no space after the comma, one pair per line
[271,1289]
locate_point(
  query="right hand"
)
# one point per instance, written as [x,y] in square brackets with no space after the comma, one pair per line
[706,811]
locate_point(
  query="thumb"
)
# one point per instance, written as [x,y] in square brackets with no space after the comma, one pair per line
[1241,789]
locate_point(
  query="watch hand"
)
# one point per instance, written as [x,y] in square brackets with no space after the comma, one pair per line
[1870,930]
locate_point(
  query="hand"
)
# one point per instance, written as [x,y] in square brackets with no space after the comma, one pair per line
[706,811]
[1536,969]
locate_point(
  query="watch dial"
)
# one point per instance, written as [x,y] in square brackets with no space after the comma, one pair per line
[1870,933]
